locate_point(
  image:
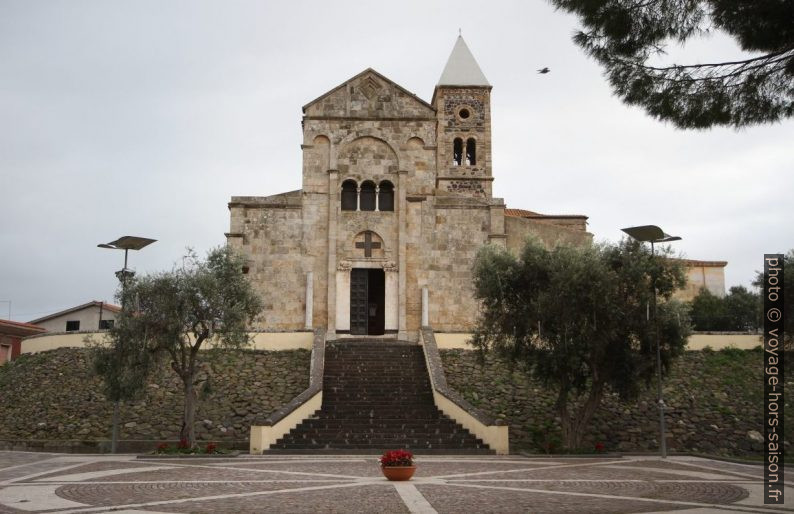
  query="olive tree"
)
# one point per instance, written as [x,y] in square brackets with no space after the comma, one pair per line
[177,313]
[577,318]
[123,364]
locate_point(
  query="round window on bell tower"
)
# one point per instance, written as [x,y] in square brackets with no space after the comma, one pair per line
[464,114]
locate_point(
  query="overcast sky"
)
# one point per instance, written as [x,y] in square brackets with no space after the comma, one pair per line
[144,118]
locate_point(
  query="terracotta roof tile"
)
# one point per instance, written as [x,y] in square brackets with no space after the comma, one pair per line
[692,263]
[19,328]
[523,213]
[105,306]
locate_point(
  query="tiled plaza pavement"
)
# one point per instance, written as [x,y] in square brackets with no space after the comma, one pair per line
[36,482]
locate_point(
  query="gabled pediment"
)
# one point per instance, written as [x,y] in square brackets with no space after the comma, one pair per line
[369,95]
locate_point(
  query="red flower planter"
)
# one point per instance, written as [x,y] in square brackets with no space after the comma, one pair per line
[398,473]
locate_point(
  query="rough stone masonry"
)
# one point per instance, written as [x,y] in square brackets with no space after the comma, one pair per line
[380,164]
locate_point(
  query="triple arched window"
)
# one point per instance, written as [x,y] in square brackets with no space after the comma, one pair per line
[368,196]
[458,157]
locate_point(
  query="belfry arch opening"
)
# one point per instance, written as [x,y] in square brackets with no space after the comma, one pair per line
[471,152]
[457,152]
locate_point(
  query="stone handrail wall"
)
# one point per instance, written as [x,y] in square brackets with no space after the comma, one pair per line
[302,406]
[491,430]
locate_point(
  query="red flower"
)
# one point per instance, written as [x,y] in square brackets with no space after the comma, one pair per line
[397,458]
[211,447]
[599,447]
[183,444]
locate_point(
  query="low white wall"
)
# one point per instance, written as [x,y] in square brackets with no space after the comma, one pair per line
[271,341]
[717,341]
[720,341]
[279,341]
[452,341]
[46,342]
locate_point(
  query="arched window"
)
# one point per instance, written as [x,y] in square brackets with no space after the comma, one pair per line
[349,195]
[457,151]
[367,200]
[386,196]
[471,152]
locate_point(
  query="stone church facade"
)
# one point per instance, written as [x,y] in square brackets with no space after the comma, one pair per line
[396,199]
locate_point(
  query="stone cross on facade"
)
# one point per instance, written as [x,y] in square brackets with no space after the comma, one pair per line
[368,244]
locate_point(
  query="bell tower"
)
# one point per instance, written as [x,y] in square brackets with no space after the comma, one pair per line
[462,99]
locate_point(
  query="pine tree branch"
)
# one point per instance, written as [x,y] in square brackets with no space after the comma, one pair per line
[784,53]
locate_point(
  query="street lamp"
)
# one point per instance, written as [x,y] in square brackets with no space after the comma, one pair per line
[653,234]
[125,243]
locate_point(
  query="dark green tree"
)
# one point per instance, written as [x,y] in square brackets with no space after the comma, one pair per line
[741,307]
[178,313]
[577,318]
[626,36]
[737,311]
[708,312]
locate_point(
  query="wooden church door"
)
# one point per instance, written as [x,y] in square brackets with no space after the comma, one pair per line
[358,301]
[367,301]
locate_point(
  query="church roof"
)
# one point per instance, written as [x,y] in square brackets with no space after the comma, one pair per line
[462,69]
[522,213]
[362,74]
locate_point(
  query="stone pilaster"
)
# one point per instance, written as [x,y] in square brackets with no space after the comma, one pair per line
[402,240]
[333,188]
[309,300]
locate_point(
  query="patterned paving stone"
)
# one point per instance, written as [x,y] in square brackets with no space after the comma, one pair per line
[659,464]
[454,500]
[125,494]
[703,492]
[443,484]
[381,499]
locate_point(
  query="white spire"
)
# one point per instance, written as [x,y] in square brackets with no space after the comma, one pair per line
[462,69]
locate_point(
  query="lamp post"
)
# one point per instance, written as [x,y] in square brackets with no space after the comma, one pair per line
[125,243]
[653,234]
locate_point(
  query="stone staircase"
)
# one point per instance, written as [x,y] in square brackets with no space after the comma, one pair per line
[377,396]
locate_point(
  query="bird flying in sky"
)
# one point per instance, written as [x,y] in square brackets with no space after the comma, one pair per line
[543,71]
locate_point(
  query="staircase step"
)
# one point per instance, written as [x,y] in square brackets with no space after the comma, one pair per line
[377,395]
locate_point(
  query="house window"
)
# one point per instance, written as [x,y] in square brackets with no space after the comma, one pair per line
[105,324]
[457,151]
[471,152]
[367,198]
[386,196]
[349,195]
[72,326]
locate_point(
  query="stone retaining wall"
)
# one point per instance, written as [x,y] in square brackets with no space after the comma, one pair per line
[714,399]
[54,396]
